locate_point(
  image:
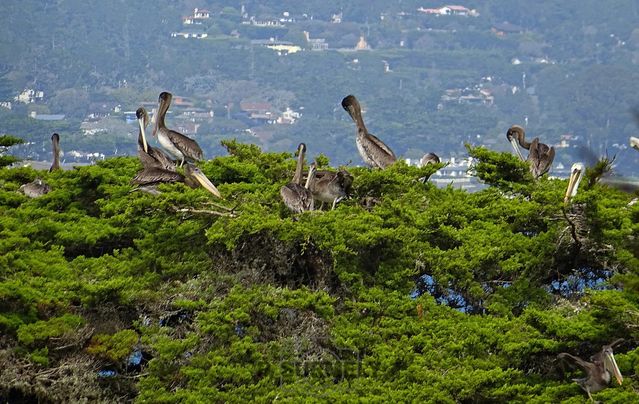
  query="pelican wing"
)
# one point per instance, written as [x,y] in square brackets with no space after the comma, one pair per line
[156,175]
[588,367]
[186,145]
[378,151]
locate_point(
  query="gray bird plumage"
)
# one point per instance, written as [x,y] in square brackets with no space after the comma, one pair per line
[374,152]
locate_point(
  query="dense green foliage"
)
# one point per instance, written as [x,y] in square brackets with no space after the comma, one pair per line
[403,292]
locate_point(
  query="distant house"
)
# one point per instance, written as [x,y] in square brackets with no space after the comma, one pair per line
[46,117]
[196,35]
[6,104]
[263,23]
[200,14]
[317,44]
[450,10]
[288,117]
[336,18]
[188,20]
[28,96]
[362,44]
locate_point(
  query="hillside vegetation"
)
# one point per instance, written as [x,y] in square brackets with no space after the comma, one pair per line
[403,292]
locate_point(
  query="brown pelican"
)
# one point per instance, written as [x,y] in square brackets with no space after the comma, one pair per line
[634,142]
[149,177]
[429,158]
[374,152]
[37,188]
[599,372]
[55,140]
[150,156]
[576,174]
[179,146]
[540,156]
[296,197]
[331,187]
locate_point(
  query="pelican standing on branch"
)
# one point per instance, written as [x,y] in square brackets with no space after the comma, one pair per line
[179,146]
[296,197]
[374,152]
[150,156]
[599,372]
[540,156]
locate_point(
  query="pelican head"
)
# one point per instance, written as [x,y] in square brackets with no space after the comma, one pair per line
[430,158]
[610,364]
[634,142]
[198,175]
[515,136]
[143,121]
[301,149]
[351,105]
[576,173]
[164,101]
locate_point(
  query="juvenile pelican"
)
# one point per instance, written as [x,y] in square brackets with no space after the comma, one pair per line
[150,156]
[55,140]
[179,146]
[37,187]
[331,187]
[149,177]
[599,372]
[540,156]
[576,173]
[296,197]
[634,142]
[374,152]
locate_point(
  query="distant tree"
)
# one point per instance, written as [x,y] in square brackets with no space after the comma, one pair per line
[6,141]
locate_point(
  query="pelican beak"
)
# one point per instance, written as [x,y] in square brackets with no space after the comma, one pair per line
[141,124]
[206,183]
[575,177]
[611,365]
[634,142]
[515,145]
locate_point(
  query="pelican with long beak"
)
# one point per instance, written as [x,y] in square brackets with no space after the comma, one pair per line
[150,156]
[634,142]
[181,147]
[374,152]
[540,156]
[576,174]
[599,372]
[296,197]
[148,178]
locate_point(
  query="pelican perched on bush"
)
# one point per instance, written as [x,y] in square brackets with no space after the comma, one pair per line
[331,187]
[150,156]
[37,187]
[540,156]
[296,197]
[374,152]
[148,178]
[599,372]
[181,147]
